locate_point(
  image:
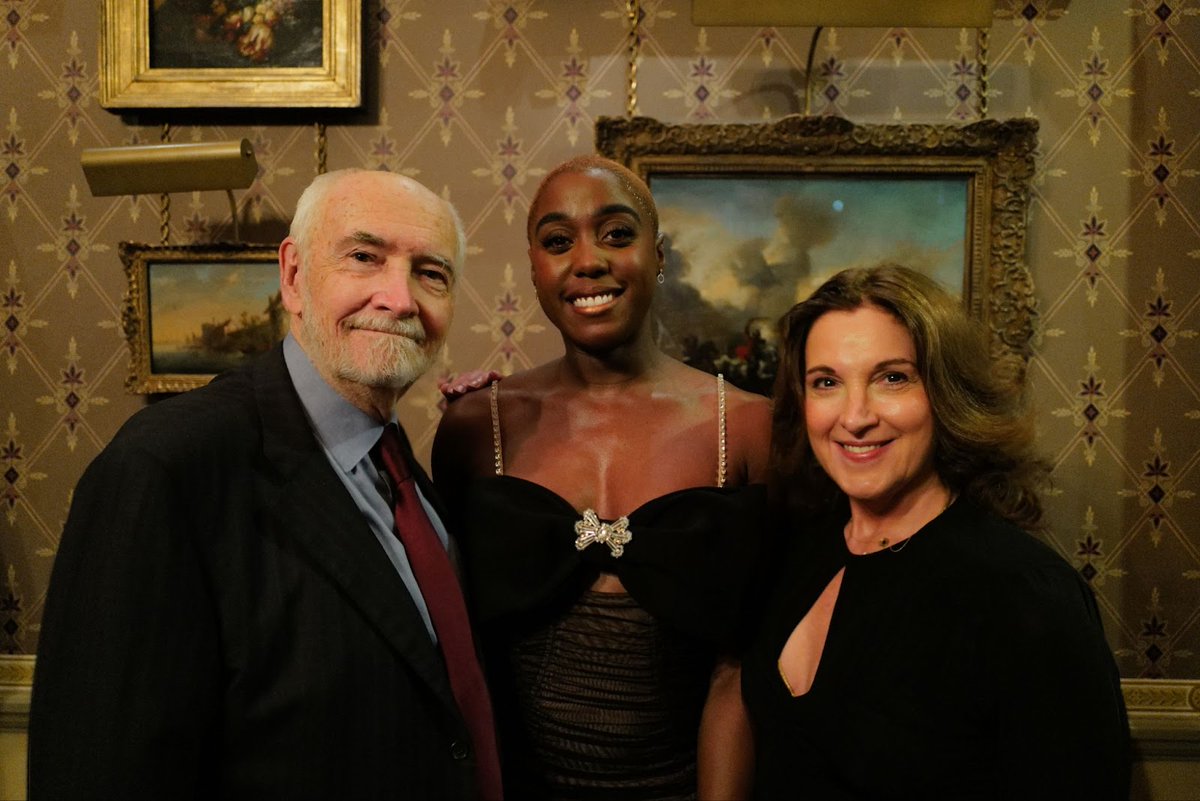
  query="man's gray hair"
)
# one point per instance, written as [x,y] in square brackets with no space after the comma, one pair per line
[305,218]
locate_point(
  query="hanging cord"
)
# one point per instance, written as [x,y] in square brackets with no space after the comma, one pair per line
[633,11]
[812,49]
[233,214]
[322,148]
[981,48]
[164,200]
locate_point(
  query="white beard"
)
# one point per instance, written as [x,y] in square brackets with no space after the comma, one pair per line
[394,360]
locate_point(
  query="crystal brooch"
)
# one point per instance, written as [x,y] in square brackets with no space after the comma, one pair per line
[616,535]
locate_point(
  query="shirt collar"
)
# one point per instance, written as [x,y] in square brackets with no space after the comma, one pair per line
[346,432]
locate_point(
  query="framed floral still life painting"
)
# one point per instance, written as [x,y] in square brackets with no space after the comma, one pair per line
[193,311]
[757,216]
[230,53]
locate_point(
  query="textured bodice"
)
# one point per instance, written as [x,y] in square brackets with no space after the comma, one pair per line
[609,703]
[599,695]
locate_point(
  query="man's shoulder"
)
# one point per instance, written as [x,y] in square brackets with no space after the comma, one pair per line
[223,410]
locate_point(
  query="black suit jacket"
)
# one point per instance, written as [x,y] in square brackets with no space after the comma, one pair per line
[222,623]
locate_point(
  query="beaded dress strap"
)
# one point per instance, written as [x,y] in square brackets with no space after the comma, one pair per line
[497,450]
[720,430]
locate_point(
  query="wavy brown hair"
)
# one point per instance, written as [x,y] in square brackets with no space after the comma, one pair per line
[983,427]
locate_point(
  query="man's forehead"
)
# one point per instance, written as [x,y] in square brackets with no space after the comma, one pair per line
[402,233]
[388,215]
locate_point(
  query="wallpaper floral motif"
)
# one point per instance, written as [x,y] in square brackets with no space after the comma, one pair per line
[478,98]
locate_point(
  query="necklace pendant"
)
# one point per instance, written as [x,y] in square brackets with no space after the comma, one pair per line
[883,542]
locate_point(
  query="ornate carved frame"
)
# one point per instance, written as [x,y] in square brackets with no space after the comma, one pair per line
[128,81]
[999,155]
[997,158]
[137,310]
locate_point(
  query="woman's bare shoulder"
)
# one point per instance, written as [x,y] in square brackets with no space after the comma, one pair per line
[748,425]
[698,382]
[535,381]
[690,381]
[739,401]
[467,409]
[746,413]
[462,445]
[471,412]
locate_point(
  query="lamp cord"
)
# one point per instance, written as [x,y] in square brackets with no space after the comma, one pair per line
[233,213]
[812,49]
[633,12]
[164,200]
[981,48]
[322,149]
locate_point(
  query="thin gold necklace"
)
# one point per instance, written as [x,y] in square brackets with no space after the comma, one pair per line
[885,542]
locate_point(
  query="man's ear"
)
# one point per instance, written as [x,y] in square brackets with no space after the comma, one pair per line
[289,276]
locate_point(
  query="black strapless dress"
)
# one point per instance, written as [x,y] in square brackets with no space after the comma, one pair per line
[599,695]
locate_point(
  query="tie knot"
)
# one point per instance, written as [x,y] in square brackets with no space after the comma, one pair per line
[392,451]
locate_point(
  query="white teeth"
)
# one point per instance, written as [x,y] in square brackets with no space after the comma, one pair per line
[861,448]
[591,301]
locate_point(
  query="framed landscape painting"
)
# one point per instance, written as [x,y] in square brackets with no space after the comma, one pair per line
[756,217]
[194,311]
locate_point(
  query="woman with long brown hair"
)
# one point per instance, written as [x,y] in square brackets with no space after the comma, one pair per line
[919,642]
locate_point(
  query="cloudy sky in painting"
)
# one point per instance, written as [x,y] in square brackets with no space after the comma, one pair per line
[183,296]
[753,246]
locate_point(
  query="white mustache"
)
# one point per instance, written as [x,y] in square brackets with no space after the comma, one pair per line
[409,327]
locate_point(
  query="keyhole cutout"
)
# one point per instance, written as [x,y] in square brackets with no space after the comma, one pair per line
[801,655]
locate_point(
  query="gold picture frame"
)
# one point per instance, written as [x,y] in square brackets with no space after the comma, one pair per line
[235,59]
[987,165]
[191,311]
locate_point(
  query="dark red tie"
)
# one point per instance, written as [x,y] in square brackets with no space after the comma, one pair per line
[443,596]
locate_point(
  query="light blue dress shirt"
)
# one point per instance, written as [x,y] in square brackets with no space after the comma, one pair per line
[347,434]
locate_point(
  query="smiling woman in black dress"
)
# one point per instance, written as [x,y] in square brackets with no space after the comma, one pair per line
[919,643]
[610,522]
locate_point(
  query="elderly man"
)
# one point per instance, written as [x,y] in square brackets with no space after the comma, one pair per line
[251,598]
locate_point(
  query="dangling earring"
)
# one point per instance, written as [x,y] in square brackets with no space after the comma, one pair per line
[662,279]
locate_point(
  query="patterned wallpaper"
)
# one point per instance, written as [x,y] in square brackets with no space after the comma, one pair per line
[478,98]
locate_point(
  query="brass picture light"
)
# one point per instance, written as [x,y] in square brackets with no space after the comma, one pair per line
[155,169]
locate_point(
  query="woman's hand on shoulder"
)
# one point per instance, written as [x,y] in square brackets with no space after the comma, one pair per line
[462,447]
[455,386]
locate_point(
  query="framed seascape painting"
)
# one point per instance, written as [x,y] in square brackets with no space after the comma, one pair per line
[193,311]
[756,217]
[230,53]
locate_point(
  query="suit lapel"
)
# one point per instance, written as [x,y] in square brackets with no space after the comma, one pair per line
[312,505]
